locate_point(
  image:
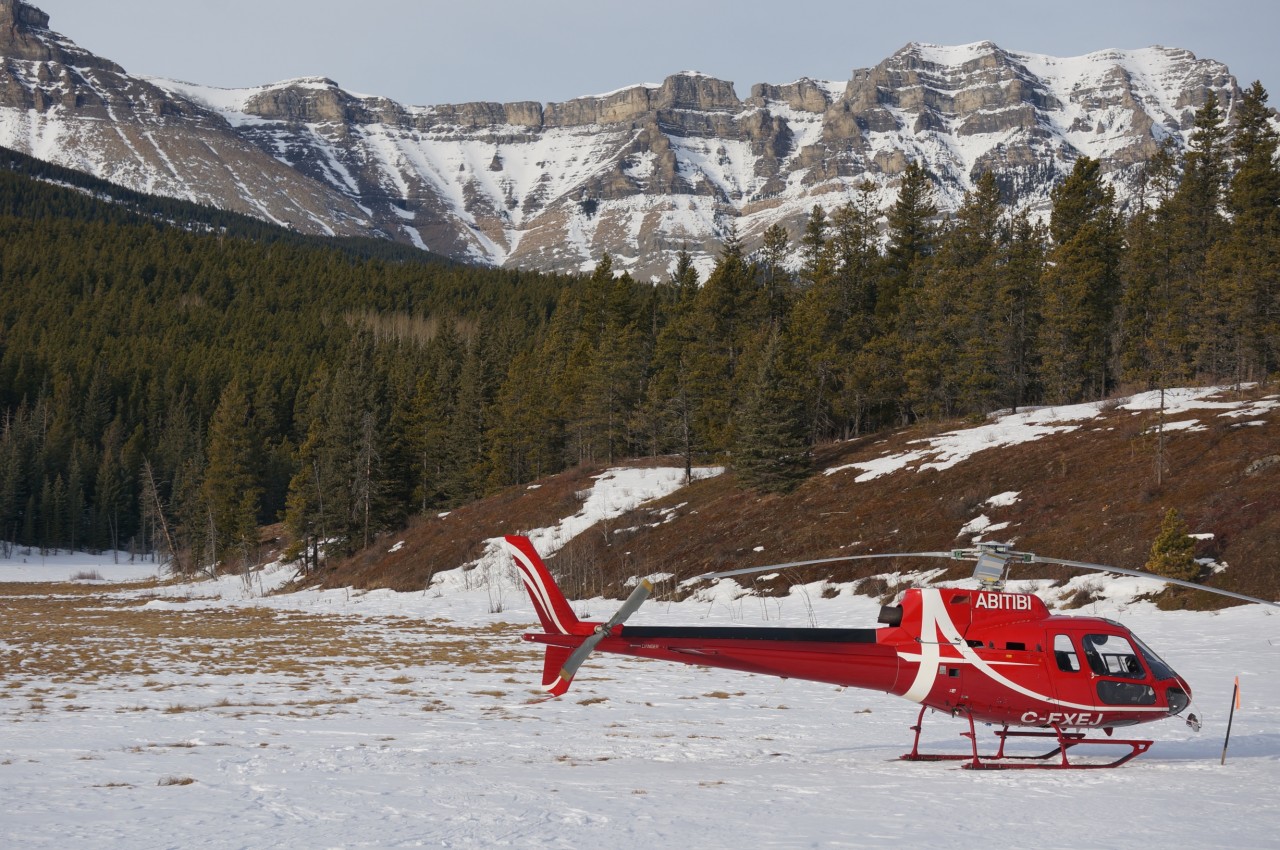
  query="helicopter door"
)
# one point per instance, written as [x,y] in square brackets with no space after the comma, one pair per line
[1071,679]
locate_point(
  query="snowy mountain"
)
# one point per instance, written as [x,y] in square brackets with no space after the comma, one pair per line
[640,172]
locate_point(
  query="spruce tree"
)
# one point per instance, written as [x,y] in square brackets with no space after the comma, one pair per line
[671,397]
[1198,226]
[1081,287]
[1247,263]
[911,238]
[771,452]
[947,325]
[1173,551]
[728,315]
[230,488]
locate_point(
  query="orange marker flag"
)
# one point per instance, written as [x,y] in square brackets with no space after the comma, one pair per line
[1237,691]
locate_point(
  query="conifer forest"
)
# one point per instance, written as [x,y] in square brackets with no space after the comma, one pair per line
[172,377]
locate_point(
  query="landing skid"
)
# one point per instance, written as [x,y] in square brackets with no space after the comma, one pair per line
[1002,761]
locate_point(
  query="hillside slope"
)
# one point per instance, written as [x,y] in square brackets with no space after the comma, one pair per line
[1076,482]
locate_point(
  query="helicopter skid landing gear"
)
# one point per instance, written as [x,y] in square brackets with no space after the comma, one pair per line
[1004,761]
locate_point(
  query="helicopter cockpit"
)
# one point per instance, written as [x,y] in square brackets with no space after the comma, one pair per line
[1122,662]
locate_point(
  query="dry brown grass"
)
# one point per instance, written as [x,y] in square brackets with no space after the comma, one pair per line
[84,635]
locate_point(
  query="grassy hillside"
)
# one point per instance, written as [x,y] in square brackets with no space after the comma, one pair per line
[1086,494]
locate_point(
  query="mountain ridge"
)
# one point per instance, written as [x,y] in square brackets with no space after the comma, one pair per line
[641,172]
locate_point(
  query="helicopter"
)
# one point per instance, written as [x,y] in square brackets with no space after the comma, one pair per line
[986,655]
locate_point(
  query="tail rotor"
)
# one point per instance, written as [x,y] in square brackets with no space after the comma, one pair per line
[579,655]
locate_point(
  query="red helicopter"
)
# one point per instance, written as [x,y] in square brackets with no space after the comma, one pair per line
[987,655]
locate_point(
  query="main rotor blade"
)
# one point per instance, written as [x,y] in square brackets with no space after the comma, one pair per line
[748,570]
[1085,565]
[579,655]
[1023,557]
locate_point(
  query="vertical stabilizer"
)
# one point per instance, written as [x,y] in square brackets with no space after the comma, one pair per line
[553,609]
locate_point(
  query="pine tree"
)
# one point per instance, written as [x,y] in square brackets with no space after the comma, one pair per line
[728,315]
[774,250]
[367,486]
[1016,311]
[947,324]
[109,497]
[521,444]
[1246,266]
[434,402]
[1154,334]
[815,248]
[613,375]
[1081,286]
[1173,551]
[771,452]
[817,321]
[469,427]
[911,239]
[859,267]
[230,489]
[670,395]
[1198,225]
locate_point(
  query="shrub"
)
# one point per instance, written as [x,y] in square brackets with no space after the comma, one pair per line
[1173,552]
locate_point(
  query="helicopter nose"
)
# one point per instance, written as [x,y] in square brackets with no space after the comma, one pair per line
[1179,697]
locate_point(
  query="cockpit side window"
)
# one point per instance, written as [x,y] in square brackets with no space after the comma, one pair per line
[1065,653]
[1112,655]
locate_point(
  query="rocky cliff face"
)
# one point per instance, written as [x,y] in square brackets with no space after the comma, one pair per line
[63,104]
[640,173]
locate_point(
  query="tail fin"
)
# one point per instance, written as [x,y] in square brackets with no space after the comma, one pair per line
[553,609]
[554,679]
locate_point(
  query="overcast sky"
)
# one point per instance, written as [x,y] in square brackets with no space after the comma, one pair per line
[428,52]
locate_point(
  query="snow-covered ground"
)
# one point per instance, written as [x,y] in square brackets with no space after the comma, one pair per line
[30,564]
[211,716]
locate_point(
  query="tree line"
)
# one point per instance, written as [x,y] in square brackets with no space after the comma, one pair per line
[166,387]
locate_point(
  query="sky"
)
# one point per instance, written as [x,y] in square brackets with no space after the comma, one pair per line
[422,52]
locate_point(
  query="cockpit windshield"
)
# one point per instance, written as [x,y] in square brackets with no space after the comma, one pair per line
[1158,667]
